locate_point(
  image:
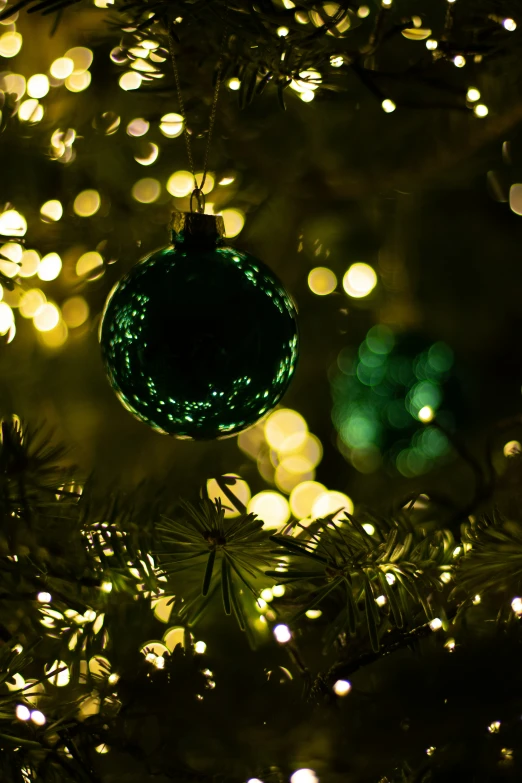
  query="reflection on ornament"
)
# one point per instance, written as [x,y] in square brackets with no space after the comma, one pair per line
[199,339]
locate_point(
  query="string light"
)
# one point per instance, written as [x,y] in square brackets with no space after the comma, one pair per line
[282,32]
[363,11]
[313,614]
[44,598]
[459,61]
[234,83]
[38,718]
[432,44]
[510,25]
[481,110]
[473,94]
[436,624]
[200,648]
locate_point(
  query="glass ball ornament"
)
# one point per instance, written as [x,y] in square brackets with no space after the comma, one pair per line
[199,340]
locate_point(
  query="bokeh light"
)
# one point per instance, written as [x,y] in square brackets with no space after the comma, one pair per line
[81,57]
[146,190]
[77,82]
[10,44]
[61,68]
[75,311]
[330,502]
[515,199]
[31,302]
[50,267]
[481,110]
[6,318]
[271,507]
[30,110]
[473,94]
[131,80]
[138,127]
[322,281]
[174,636]
[388,106]
[283,424]
[171,125]
[234,221]
[29,263]
[55,337]
[359,280]
[52,210]
[240,489]
[87,203]
[12,224]
[148,153]
[13,82]
[38,85]
[89,264]
[180,184]
[342,687]
[304,776]
[303,497]
[282,633]
[47,317]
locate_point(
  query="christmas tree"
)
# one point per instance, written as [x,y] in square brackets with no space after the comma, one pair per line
[245,567]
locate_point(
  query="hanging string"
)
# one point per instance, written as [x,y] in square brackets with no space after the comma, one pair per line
[197,194]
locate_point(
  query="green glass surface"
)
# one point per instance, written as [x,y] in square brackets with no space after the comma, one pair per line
[199,341]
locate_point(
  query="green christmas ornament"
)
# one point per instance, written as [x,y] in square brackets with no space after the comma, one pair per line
[199,339]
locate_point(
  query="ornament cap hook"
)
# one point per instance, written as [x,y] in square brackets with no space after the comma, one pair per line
[196,227]
[199,196]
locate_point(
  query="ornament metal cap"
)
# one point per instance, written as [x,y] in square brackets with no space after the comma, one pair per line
[196,227]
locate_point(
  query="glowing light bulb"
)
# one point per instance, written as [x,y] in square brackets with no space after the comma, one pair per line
[342,687]
[278,590]
[200,648]
[44,598]
[369,528]
[432,44]
[307,96]
[390,578]
[282,634]
[234,83]
[388,106]
[363,11]
[106,587]
[131,80]
[313,614]
[380,600]
[473,94]
[282,32]
[436,624]
[476,599]
[509,24]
